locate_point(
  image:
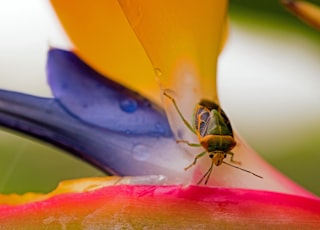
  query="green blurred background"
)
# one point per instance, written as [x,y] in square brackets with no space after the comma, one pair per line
[284,129]
[283,124]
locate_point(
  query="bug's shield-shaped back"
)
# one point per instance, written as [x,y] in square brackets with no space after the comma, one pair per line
[210,119]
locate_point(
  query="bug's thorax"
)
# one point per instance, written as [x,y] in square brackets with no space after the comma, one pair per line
[216,143]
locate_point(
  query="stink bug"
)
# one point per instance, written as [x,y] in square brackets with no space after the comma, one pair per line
[214,132]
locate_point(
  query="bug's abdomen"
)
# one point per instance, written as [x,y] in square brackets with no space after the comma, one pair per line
[214,143]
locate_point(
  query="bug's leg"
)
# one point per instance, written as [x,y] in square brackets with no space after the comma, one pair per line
[206,175]
[178,110]
[195,160]
[232,160]
[188,143]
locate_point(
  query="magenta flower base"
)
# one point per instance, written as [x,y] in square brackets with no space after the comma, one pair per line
[165,207]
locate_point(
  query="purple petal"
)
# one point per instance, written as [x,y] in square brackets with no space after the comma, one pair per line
[147,150]
[97,100]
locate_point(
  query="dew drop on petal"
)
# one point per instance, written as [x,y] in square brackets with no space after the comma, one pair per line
[180,134]
[129,105]
[159,128]
[85,105]
[128,132]
[140,152]
[158,72]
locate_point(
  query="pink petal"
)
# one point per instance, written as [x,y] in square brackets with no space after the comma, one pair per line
[166,207]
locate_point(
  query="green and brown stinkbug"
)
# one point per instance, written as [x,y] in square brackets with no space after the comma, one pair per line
[214,132]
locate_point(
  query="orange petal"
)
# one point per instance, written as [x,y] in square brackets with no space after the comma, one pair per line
[307,12]
[182,40]
[103,38]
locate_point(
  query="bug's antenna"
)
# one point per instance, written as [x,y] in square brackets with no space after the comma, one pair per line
[207,174]
[242,169]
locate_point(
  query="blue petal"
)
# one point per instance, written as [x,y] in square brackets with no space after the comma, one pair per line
[145,150]
[94,99]
[113,152]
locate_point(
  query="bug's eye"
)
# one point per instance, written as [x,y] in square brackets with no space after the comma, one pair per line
[211,155]
[225,155]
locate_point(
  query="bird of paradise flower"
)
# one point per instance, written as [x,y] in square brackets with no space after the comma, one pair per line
[79,120]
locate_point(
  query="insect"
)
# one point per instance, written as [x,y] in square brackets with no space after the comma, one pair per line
[214,132]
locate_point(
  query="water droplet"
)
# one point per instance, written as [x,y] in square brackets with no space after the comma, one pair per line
[129,105]
[159,128]
[140,152]
[180,134]
[85,105]
[64,86]
[158,72]
[128,131]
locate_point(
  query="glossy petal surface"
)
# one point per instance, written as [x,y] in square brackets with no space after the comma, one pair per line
[182,40]
[115,151]
[118,152]
[103,38]
[165,207]
[97,100]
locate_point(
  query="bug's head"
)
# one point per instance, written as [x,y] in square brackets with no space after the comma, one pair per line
[217,157]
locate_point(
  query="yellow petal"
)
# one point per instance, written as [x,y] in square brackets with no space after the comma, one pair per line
[103,38]
[225,33]
[68,186]
[182,40]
